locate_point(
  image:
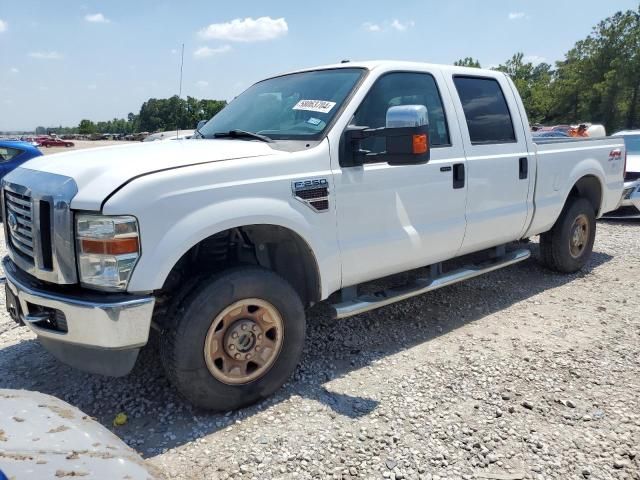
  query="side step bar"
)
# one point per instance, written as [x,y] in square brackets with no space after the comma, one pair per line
[365,303]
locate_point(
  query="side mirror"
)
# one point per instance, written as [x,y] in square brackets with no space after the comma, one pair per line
[404,116]
[406,134]
[201,124]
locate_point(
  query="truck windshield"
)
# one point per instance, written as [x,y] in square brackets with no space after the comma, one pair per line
[298,106]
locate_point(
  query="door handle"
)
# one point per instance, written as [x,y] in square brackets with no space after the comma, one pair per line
[524,168]
[458,175]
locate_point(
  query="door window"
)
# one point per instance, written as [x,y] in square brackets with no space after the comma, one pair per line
[402,88]
[485,108]
[7,153]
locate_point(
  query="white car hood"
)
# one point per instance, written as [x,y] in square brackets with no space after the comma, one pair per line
[99,171]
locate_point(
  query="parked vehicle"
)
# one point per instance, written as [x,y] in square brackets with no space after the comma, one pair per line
[301,190]
[55,142]
[630,204]
[170,135]
[14,153]
[137,137]
[30,140]
[549,134]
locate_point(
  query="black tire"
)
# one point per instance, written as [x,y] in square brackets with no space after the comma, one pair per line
[556,248]
[183,345]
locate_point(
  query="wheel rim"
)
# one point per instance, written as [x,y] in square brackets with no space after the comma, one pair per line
[579,236]
[243,341]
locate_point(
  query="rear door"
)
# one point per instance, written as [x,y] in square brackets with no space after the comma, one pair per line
[498,163]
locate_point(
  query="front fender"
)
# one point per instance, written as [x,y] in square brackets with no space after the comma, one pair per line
[178,208]
[158,259]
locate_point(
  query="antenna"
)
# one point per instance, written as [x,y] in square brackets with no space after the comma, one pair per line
[179,93]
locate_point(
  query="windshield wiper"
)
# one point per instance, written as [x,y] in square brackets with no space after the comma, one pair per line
[242,134]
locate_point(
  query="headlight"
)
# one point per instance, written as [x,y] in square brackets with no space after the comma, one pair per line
[108,249]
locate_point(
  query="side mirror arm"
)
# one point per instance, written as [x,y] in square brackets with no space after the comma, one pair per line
[351,155]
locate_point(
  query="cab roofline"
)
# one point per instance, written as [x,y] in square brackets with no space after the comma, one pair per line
[372,65]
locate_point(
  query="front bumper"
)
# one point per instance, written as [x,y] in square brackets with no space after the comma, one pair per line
[631,194]
[79,327]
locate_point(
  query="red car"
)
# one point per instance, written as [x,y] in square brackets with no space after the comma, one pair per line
[54,142]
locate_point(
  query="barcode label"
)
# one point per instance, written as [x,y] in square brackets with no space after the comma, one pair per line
[321,106]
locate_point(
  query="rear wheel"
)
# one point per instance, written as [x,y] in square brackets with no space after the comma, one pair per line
[568,245]
[236,338]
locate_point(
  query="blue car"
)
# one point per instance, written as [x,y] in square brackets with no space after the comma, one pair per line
[14,153]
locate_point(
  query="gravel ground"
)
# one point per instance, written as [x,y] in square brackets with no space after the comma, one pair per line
[522,373]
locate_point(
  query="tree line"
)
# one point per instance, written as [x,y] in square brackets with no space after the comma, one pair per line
[598,80]
[156,114]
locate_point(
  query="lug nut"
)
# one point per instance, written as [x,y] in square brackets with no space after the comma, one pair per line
[234,335]
[248,356]
[232,347]
[244,327]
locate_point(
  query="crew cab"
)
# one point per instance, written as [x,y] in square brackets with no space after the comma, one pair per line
[304,189]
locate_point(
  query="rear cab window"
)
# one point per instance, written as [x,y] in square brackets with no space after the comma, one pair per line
[486,111]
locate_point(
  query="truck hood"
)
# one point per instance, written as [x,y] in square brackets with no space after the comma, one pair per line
[99,171]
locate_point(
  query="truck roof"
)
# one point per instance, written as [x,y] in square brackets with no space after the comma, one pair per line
[404,65]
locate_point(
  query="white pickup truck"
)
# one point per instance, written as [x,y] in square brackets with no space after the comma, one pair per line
[304,188]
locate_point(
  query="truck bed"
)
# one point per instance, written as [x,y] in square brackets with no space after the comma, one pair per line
[546,140]
[560,162]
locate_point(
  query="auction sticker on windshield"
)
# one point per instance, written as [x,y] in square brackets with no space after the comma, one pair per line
[321,106]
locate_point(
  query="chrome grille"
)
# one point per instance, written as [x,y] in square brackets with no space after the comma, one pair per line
[20,222]
[38,224]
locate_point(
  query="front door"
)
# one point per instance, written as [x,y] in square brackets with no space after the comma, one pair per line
[395,218]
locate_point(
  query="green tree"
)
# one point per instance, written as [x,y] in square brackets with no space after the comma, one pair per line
[467,62]
[534,83]
[86,127]
[210,108]
[599,79]
[174,112]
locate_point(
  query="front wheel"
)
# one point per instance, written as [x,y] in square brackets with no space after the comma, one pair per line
[235,339]
[567,247]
